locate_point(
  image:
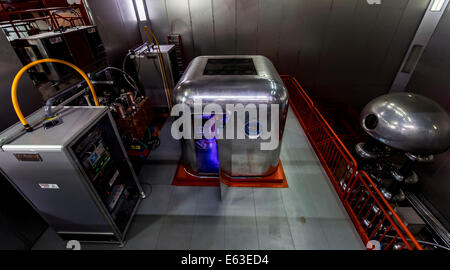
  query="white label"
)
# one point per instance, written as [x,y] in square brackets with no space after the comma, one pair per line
[91,30]
[49,186]
[113,179]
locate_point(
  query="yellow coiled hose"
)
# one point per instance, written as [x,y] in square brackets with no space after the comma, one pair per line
[25,68]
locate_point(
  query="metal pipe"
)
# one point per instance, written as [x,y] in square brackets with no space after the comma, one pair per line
[49,103]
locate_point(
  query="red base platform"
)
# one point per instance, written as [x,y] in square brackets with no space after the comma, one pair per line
[275,180]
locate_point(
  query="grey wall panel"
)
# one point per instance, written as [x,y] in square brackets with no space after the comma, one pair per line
[289,38]
[224,15]
[180,23]
[381,38]
[340,50]
[431,79]
[335,51]
[269,24]
[311,33]
[364,56]
[117,25]
[28,96]
[202,26]
[411,18]
[158,19]
[129,22]
[348,43]
[247,30]
[106,16]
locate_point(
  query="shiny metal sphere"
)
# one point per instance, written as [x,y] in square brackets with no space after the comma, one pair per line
[408,122]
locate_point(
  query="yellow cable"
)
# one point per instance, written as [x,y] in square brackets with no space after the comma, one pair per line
[161,61]
[25,68]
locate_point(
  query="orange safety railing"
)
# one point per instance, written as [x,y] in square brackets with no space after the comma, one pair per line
[338,163]
[374,216]
[355,189]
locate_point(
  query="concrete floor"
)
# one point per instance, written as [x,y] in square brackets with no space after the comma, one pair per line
[307,215]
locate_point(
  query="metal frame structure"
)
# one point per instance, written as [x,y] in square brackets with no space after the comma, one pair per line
[51,17]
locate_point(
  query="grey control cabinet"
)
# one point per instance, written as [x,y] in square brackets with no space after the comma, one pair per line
[76,175]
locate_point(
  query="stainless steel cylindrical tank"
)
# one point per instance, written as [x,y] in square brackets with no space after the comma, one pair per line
[408,122]
[232,79]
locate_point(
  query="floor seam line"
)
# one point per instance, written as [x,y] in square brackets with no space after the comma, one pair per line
[256,219]
[165,215]
[287,218]
[195,218]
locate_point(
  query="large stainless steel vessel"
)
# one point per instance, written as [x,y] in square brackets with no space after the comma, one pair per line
[408,122]
[222,80]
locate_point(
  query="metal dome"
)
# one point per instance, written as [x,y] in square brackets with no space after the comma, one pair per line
[408,122]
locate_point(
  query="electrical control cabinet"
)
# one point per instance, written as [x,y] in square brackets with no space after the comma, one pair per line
[76,174]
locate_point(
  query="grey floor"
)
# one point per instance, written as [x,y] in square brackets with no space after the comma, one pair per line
[307,215]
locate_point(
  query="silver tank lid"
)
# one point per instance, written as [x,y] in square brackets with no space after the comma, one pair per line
[230,79]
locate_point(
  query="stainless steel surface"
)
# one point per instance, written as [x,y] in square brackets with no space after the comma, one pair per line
[431,76]
[341,51]
[247,26]
[179,19]
[157,12]
[201,13]
[54,139]
[74,206]
[224,23]
[239,157]
[270,16]
[117,25]
[58,207]
[147,64]
[431,80]
[408,122]
[27,94]
[423,35]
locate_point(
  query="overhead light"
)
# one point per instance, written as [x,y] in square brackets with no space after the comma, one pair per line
[142,15]
[437,5]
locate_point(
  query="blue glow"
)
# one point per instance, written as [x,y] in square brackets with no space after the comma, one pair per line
[252,128]
[207,156]
[207,152]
